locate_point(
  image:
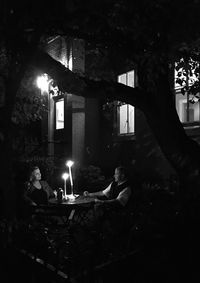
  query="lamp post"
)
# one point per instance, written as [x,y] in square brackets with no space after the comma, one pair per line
[65,176]
[69,164]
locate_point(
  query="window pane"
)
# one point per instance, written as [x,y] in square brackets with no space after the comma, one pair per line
[190,113]
[180,99]
[126,123]
[123,119]
[181,107]
[131,117]
[60,114]
[194,112]
[131,79]
[122,79]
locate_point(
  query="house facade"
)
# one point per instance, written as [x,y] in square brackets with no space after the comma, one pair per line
[70,125]
[105,135]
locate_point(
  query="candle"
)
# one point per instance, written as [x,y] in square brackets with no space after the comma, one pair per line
[69,164]
[65,176]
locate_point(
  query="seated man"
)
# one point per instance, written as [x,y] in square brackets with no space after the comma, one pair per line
[111,213]
[117,193]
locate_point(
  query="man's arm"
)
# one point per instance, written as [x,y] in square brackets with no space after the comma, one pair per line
[95,194]
[120,201]
[102,193]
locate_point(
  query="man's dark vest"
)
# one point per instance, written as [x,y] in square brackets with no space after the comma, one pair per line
[116,189]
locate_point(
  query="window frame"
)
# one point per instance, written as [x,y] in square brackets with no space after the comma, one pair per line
[57,99]
[128,135]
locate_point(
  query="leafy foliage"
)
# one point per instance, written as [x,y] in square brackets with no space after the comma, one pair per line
[91,177]
[187,76]
[30,103]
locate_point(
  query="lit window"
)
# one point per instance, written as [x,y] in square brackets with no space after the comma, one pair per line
[187,106]
[126,117]
[187,109]
[60,114]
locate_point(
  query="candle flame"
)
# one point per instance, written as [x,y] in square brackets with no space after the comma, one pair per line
[65,176]
[69,163]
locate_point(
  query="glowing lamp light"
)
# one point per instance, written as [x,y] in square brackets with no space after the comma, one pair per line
[69,164]
[65,176]
[71,197]
[43,82]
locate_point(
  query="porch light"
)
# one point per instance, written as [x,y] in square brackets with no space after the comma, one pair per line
[43,83]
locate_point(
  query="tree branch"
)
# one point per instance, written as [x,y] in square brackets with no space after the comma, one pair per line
[70,82]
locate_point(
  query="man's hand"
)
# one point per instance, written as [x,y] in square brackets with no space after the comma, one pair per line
[86,193]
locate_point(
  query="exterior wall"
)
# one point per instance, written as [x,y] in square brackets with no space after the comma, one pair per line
[77,64]
[78,130]
[92,131]
[139,152]
[63,137]
[79,139]
[60,141]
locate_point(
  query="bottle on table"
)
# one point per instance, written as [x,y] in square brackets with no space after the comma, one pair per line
[60,195]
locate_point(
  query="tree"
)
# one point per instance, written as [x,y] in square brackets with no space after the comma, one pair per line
[145,34]
[148,35]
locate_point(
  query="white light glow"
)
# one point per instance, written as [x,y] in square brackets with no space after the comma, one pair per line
[60,114]
[71,197]
[43,83]
[65,176]
[69,163]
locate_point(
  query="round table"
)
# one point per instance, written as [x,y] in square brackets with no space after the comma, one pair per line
[76,201]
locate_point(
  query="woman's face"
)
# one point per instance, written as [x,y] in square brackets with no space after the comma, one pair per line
[36,175]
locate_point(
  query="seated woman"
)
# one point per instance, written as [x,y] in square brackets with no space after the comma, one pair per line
[38,192]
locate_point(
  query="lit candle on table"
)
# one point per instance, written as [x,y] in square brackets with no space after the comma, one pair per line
[69,164]
[65,176]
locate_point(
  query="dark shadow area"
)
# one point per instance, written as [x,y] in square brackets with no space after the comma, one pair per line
[159,244]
